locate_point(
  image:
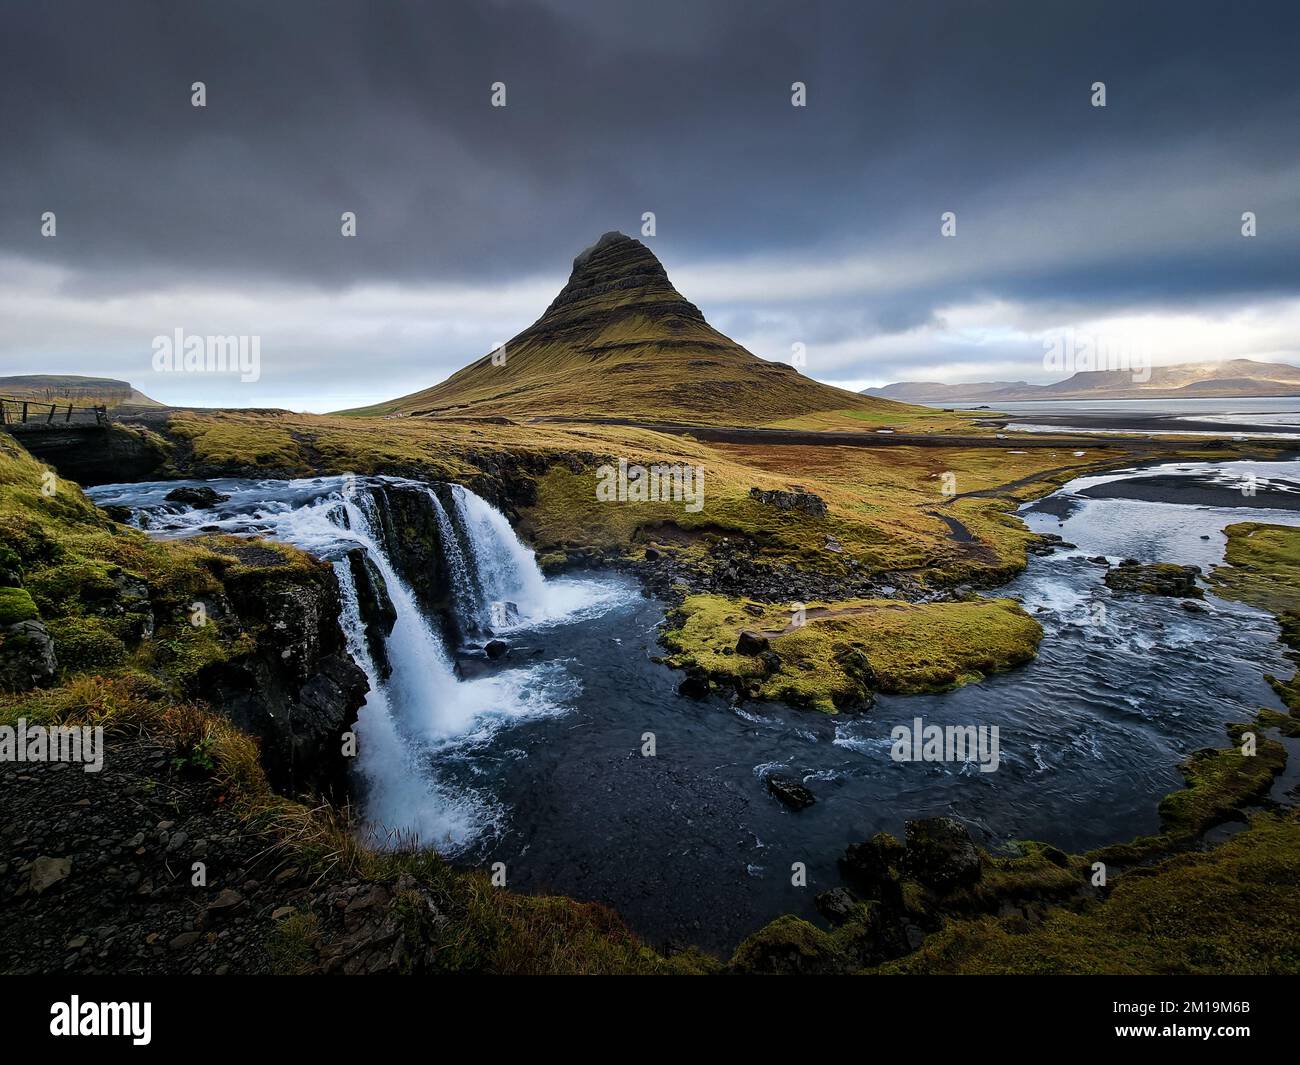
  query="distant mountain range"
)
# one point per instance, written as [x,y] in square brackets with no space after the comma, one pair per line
[620,341]
[1234,378]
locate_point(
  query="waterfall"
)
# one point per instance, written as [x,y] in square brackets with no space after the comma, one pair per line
[508,575]
[419,719]
[468,592]
[399,797]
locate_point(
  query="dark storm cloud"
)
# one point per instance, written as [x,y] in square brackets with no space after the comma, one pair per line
[614,109]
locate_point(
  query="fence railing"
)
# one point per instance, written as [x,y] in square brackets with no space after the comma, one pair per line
[17,411]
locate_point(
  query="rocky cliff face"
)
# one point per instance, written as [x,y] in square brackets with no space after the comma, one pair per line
[298,691]
[91,455]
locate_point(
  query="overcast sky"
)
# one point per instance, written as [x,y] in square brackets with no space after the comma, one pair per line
[817,225]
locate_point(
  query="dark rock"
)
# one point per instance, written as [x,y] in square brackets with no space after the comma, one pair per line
[790,791]
[298,690]
[940,853]
[11,568]
[495,649]
[45,872]
[651,554]
[836,905]
[750,642]
[92,455]
[874,861]
[412,533]
[857,668]
[121,515]
[1159,578]
[198,496]
[1193,607]
[1100,560]
[1046,543]
[694,686]
[27,656]
[806,502]
[378,615]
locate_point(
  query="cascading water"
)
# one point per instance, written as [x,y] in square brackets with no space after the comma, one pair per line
[507,571]
[466,588]
[420,714]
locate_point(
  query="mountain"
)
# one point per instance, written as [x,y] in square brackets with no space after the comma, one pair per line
[934,392]
[56,388]
[620,341]
[1234,378]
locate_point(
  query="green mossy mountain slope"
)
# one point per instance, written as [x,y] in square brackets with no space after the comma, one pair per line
[620,341]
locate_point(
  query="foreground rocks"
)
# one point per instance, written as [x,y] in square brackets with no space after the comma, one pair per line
[298,690]
[27,658]
[940,853]
[97,870]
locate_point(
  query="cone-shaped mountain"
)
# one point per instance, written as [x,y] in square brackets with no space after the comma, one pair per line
[620,341]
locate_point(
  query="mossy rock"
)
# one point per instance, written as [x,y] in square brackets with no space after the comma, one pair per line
[16,605]
[85,644]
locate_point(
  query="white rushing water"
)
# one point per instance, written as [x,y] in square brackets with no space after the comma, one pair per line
[421,714]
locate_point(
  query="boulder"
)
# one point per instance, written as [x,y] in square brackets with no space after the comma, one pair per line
[940,853]
[750,642]
[790,791]
[1046,543]
[874,861]
[27,657]
[836,905]
[1157,578]
[694,686]
[200,497]
[805,502]
[45,872]
[496,649]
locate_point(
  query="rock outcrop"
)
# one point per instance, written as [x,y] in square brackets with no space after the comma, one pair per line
[27,657]
[378,614]
[940,853]
[198,496]
[299,690]
[805,502]
[1159,578]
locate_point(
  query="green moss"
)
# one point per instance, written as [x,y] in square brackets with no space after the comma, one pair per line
[789,945]
[1226,911]
[16,605]
[1221,781]
[86,644]
[839,653]
[1261,566]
